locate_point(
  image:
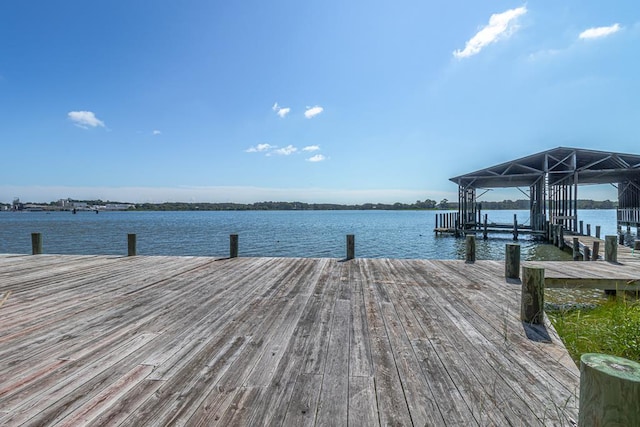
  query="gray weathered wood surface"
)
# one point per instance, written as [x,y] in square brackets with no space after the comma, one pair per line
[103,340]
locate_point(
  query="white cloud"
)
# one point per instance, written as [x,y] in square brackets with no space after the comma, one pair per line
[501,26]
[280,111]
[85,119]
[597,32]
[317,158]
[157,132]
[313,111]
[311,148]
[259,148]
[285,151]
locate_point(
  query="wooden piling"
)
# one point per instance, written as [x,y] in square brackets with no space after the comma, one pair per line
[470,248]
[512,261]
[351,246]
[581,224]
[515,227]
[597,231]
[609,391]
[576,249]
[532,296]
[596,249]
[588,229]
[636,245]
[233,246]
[561,236]
[36,243]
[587,253]
[131,245]
[621,238]
[610,248]
[485,234]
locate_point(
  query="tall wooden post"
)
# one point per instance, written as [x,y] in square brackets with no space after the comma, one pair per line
[515,227]
[588,229]
[233,246]
[581,227]
[36,243]
[576,249]
[485,234]
[131,244]
[351,246]
[597,231]
[512,261]
[610,249]
[470,248]
[609,391]
[532,297]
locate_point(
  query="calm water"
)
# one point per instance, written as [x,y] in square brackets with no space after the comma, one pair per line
[379,234]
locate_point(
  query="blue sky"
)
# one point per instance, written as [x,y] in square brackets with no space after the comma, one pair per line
[333,101]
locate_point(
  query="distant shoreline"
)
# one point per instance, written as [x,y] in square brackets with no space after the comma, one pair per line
[428,204]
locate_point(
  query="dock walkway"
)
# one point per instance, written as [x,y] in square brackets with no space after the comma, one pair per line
[104,340]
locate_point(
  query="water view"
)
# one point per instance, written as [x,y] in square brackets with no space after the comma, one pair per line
[379,234]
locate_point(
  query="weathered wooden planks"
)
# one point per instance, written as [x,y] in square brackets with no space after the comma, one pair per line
[253,341]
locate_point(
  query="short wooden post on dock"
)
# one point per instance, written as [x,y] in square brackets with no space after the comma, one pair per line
[233,246]
[470,248]
[36,243]
[351,246]
[515,227]
[561,236]
[581,224]
[621,238]
[610,248]
[512,261]
[131,245]
[597,231]
[609,391]
[587,253]
[576,248]
[596,250]
[636,246]
[588,229]
[532,297]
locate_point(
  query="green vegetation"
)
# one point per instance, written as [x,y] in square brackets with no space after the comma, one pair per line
[612,327]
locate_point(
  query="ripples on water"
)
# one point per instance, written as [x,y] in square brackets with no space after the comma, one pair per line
[379,234]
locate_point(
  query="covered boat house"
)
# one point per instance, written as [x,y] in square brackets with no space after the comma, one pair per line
[552,178]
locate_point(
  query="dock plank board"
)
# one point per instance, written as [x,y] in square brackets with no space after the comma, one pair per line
[198,341]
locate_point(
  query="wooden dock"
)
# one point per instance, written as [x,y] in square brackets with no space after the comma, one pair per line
[104,340]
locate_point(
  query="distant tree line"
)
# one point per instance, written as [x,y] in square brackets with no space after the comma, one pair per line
[426,204]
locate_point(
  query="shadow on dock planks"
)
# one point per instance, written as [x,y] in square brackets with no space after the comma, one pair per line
[103,340]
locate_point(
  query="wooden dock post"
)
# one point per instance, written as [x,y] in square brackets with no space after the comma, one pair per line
[36,243]
[621,238]
[596,249]
[515,227]
[470,248]
[636,245]
[587,253]
[561,236]
[233,246]
[610,248]
[485,235]
[588,229]
[131,245]
[548,231]
[581,227]
[512,261]
[609,391]
[436,221]
[351,246]
[597,231]
[576,249]
[532,297]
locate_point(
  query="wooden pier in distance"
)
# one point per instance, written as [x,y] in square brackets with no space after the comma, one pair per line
[105,340]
